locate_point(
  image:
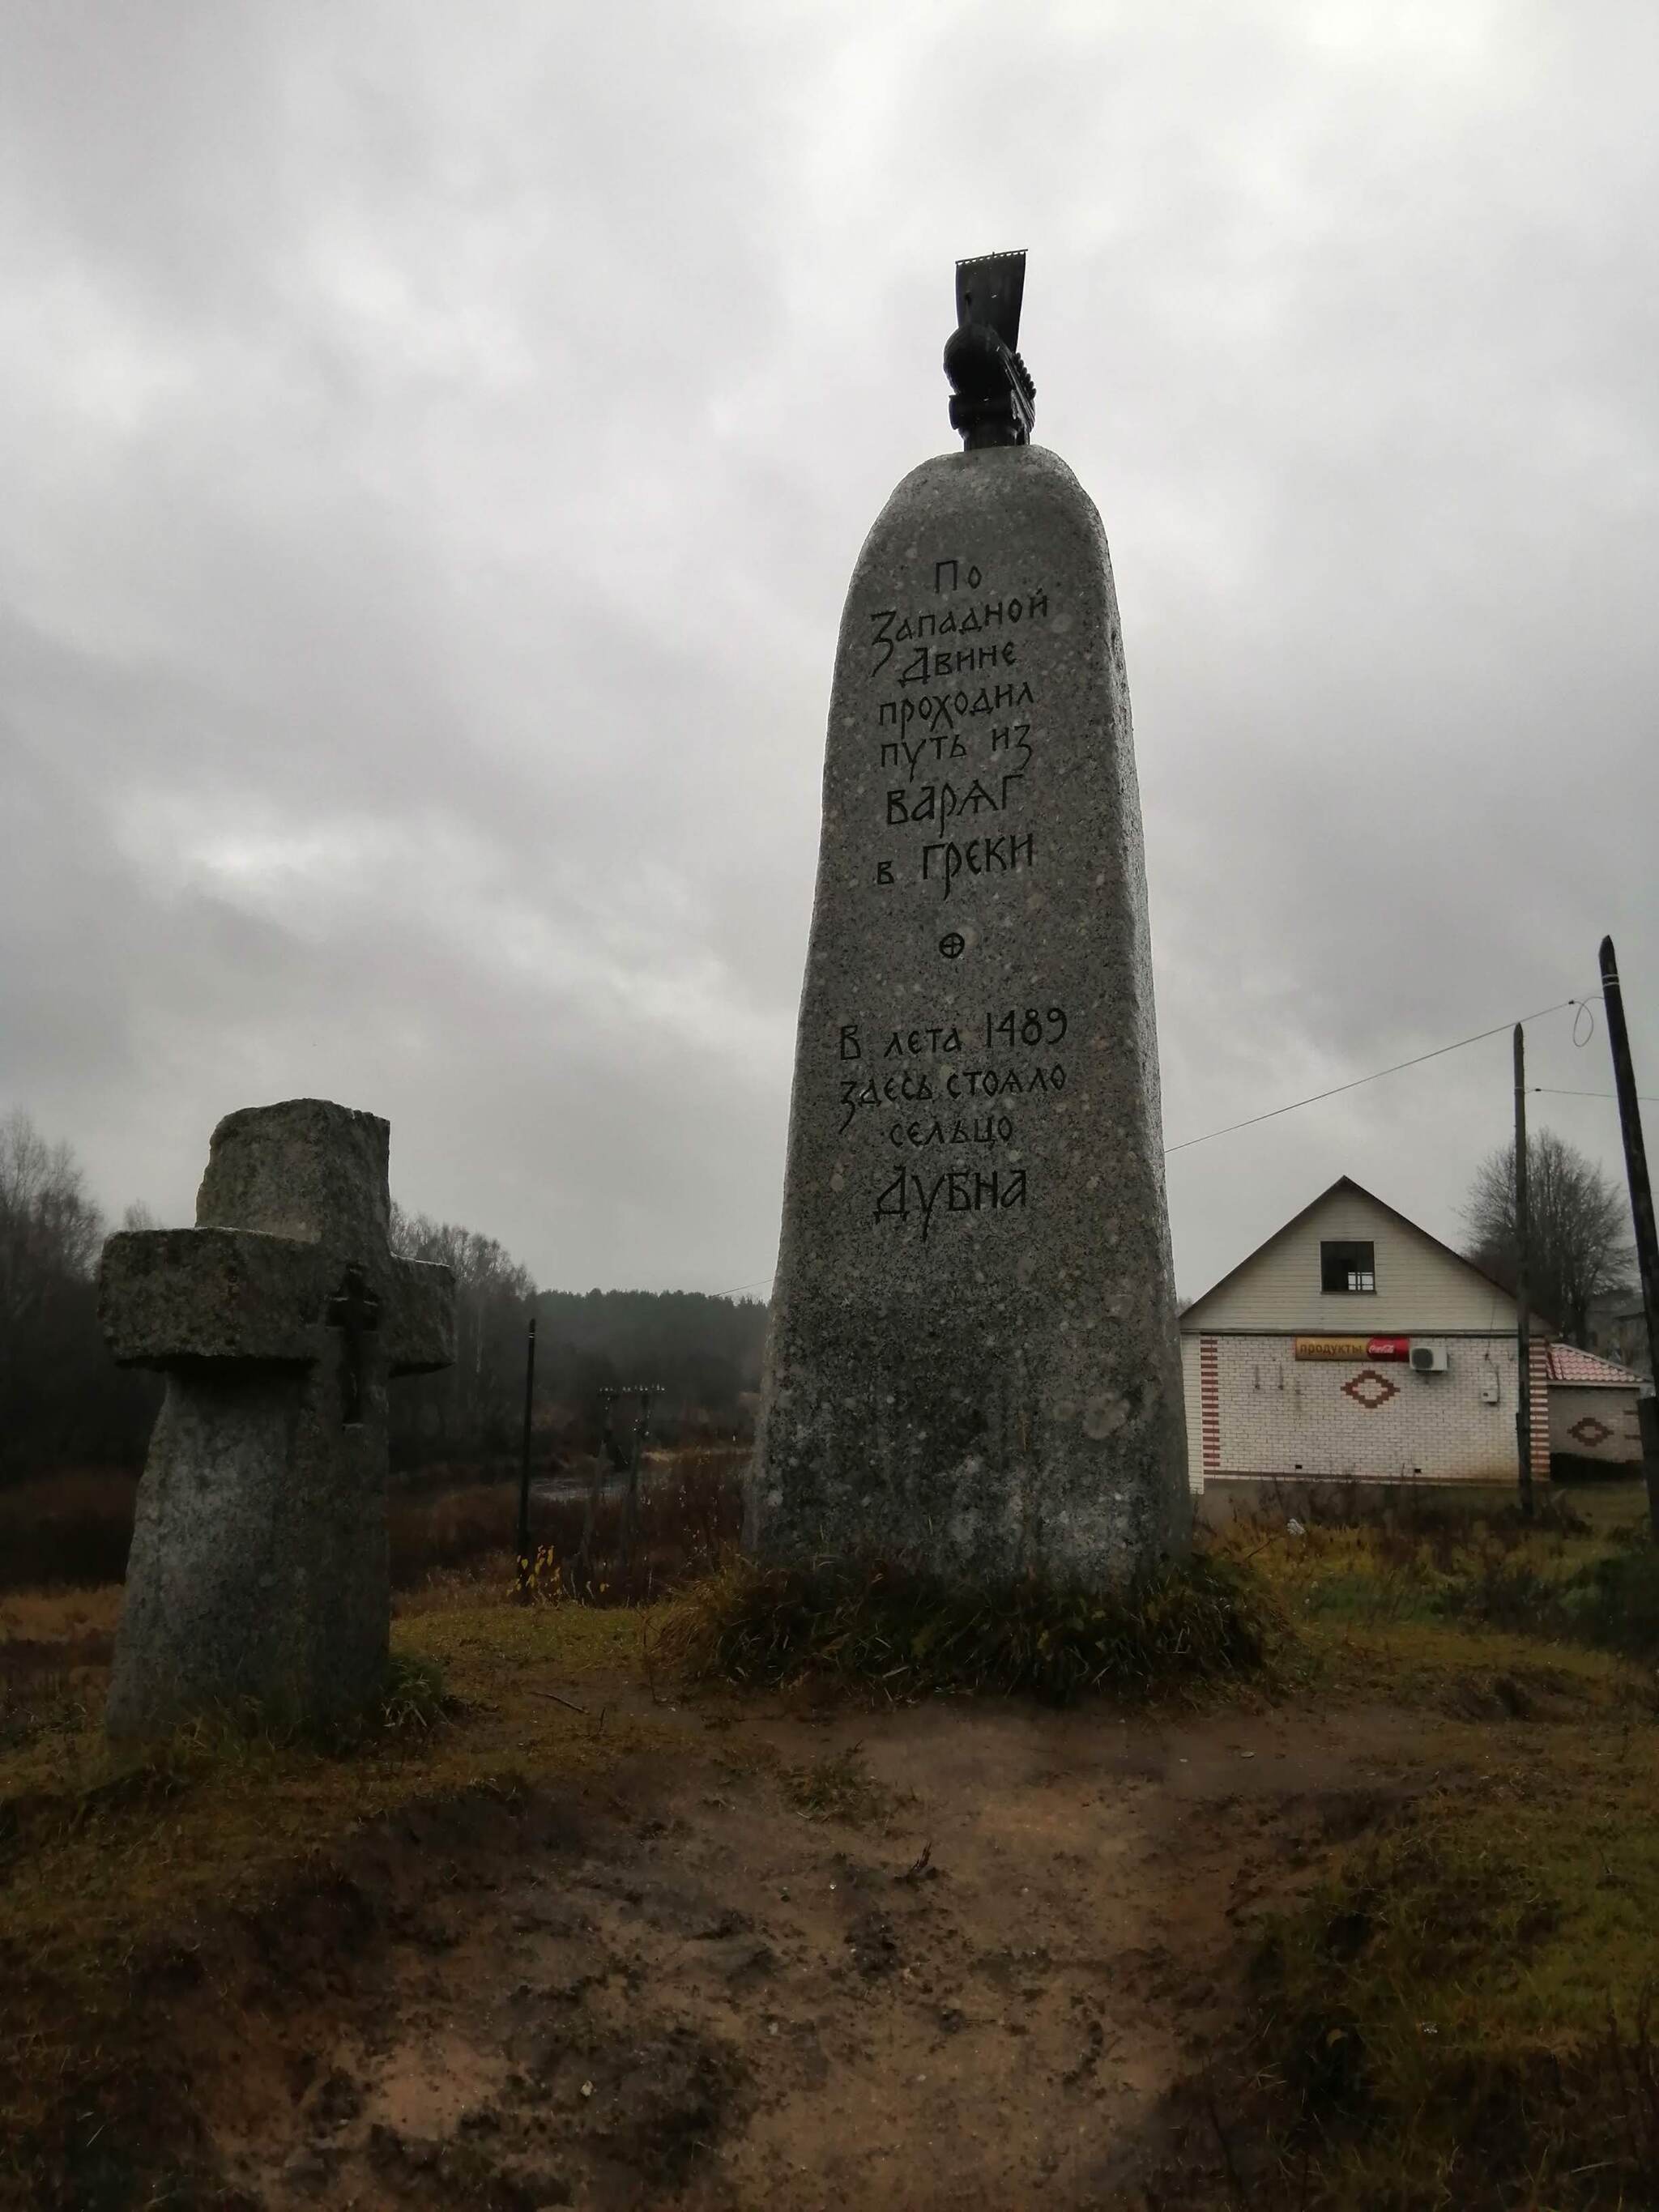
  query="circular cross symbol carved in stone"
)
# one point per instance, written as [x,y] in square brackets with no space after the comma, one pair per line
[953,944]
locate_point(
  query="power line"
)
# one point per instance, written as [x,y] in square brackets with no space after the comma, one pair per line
[1549,1091]
[1336,1090]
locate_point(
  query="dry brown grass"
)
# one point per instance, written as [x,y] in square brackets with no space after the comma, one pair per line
[691,1512]
[104,1857]
[74,1528]
[1461,2013]
[55,1650]
[452,1530]
[59,1616]
[894,1634]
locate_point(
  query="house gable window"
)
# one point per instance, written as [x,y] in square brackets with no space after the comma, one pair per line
[1347,1267]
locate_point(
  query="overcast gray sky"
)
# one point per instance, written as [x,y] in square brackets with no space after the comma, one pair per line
[436,438]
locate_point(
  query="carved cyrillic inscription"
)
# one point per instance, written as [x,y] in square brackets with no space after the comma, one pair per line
[955,712]
[913,1197]
[893,627]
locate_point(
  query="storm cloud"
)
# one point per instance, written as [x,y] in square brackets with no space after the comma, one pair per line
[437,442]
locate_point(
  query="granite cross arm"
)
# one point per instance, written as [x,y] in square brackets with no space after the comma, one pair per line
[172,1297]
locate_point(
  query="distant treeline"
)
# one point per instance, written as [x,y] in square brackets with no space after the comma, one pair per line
[64,1404]
[63,1400]
[705,1352]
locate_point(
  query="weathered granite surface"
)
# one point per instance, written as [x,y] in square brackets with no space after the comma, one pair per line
[258,1572]
[973,1361]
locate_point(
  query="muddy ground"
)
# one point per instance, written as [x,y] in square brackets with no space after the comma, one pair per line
[965,1955]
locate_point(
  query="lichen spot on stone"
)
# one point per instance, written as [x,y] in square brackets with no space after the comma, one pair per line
[1104,1415]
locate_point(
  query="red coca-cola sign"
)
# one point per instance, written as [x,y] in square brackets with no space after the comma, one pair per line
[1388,1347]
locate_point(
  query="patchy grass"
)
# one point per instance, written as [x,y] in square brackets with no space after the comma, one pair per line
[1463,2014]
[59,1616]
[1614,1601]
[895,1635]
[1346,1583]
[1459,2015]
[106,1859]
[841,1787]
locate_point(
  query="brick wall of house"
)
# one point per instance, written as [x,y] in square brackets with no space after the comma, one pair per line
[1596,1424]
[1265,1412]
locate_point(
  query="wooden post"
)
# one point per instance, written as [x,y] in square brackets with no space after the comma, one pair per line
[630,1516]
[631,1495]
[1523,1303]
[524,1460]
[1641,1208]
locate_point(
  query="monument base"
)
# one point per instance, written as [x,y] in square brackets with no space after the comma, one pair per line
[993,1450]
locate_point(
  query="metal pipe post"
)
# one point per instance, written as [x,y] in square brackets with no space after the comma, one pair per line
[524,1457]
[1641,1209]
[1522,1301]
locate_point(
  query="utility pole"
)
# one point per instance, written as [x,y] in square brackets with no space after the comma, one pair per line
[524,1461]
[631,1501]
[1522,1301]
[1641,1208]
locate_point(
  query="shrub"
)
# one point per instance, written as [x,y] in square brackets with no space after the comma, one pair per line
[456,1528]
[1614,1602]
[689,1512]
[1502,1591]
[413,1698]
[902,1635]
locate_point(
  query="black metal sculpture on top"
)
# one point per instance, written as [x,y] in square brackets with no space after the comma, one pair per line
[993,400]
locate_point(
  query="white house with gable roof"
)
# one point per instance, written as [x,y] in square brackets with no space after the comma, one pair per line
[1353,1345]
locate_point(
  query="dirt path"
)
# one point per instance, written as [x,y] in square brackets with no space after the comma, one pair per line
[723,1980]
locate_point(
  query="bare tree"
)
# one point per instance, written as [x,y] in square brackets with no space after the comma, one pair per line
[49,1229]
[471,1406]
[1578,1244]
[61,1401]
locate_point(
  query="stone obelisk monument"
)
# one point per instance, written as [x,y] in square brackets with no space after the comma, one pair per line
[973,1365]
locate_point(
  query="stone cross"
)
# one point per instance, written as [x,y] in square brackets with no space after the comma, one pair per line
[973,1363]
[259,1574]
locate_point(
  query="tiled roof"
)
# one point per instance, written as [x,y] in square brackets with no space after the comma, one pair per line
[1567,1363]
